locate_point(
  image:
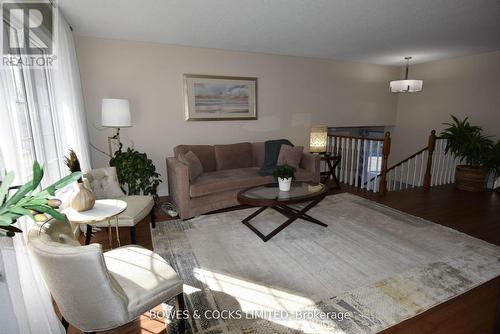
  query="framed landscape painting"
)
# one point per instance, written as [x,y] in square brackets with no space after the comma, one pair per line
[215,98]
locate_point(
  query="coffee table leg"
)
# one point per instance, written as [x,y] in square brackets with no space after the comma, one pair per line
[291,213]
[253,215]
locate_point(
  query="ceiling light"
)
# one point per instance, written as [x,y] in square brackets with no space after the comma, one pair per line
[406,86]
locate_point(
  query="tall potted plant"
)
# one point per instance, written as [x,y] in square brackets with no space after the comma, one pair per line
[136,172]
[468,143]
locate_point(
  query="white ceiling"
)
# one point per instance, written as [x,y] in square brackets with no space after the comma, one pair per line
[369,31]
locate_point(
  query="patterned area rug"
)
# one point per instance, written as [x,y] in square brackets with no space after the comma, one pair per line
[371,268]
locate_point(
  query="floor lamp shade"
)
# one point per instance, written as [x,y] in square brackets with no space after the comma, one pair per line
[318,139]
[115,113]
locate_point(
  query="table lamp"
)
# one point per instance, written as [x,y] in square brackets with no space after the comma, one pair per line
[115,114]
[318,139]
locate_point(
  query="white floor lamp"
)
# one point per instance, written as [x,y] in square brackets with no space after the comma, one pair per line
[115,114]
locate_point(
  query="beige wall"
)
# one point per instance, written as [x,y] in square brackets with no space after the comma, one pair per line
[465,86]
[293,93]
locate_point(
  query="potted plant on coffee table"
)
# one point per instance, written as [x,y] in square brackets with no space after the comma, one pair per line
[284,174]
[468,143]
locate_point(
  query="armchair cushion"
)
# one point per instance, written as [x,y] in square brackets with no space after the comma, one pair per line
[138,207]
[104,182]
[145,277]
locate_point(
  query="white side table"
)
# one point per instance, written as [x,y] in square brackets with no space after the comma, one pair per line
[104,209]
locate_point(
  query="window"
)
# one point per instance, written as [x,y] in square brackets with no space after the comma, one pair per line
[33,121]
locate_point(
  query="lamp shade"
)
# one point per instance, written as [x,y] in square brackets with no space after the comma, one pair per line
[318,139]
[406,86]
[115,113]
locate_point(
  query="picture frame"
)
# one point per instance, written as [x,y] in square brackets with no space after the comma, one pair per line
[219,98]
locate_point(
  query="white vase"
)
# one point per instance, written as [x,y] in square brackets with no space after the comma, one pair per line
[82,199]
[284,184]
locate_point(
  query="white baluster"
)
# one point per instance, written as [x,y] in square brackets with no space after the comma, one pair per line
[347,161]
[423,162]
[368,175]
[363,170]
[415,161]
[376,185]
[357,163]
[342,171]
[401,176]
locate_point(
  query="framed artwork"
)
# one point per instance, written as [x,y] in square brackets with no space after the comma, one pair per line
[216,98]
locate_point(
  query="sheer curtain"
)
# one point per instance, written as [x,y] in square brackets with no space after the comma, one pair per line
[42,117]
[68,97]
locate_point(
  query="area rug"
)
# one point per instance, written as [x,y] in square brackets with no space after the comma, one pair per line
[371,268]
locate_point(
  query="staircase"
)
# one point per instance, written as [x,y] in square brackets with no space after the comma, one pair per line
[364,164]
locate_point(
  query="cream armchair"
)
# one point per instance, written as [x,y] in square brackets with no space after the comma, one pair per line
[98,291]
[104,183]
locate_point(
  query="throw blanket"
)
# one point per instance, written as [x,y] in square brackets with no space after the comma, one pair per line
[271,152]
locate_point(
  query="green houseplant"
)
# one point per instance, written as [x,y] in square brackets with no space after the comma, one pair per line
[136,172]
[468,143]
[284,174]
[27,202]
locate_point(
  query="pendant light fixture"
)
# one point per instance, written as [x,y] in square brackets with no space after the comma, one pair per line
[406,86]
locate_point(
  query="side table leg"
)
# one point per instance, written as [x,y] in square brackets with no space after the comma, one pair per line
[110,236]
[117,231]
[88,234]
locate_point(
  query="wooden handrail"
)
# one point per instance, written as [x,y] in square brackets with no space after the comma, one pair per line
[386,150]
[356,137]
[406,160]
[410,157]
[430,148]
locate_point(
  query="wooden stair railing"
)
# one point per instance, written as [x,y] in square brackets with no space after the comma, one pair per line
[439,168]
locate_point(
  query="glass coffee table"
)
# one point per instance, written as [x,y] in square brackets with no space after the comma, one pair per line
[269,196]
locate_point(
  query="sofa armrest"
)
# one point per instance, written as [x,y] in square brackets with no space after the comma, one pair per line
[311,163]
[178,184]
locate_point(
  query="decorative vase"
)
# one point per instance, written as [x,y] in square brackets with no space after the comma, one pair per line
[82,199]
[470,178]
[284,183]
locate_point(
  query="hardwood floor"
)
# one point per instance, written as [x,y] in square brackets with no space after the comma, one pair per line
[477,214]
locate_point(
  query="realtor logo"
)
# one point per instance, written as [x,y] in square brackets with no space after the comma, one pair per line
[28,33]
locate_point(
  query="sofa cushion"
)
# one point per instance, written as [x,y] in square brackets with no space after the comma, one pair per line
[229,179]
[290,155]
[302,174]
[233,156]
[258,154]
[194,164]
[205,153]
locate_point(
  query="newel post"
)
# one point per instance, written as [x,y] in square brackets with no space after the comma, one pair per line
[430,149]
[386,150]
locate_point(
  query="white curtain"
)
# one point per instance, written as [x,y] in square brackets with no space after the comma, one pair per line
[68,97]
[25,303]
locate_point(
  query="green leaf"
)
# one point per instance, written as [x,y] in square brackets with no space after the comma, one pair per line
[4,220]
[21,212]
[68,179]
[20,193]
[47,209]
[37,174]
[4,187]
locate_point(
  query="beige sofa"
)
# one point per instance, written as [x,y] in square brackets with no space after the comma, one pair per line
[227,169]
